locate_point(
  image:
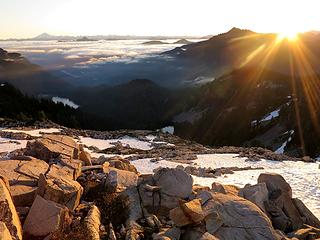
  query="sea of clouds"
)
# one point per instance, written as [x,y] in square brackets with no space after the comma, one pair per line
[100,62]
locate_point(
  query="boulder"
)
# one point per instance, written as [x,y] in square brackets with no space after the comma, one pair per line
[8,170]
[122,164]
[310,219]
[23,177]
[4,232]
[161,193]
[61,190]
[8,213]
[52,146]
[45,217]
[274,182]
[32,168]
[174,182]
[283,213]
[120,179]
[86,158]
[231,217]
[23,195]
[258,194]
[187,213]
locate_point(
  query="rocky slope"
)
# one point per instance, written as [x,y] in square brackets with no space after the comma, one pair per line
[60,183]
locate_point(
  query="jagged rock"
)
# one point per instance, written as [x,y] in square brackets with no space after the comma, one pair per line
[310,219]
[45,217]
[4,232]
[204,196]
[60,190]
[225,189]
[23,178]
[283,213]
[7,169]
[231,217]
[168,187]
[120,179]
[52,147]
[8,213]
[122,164]
[85,157]
[93,222]
[187,213]
[32,168]
[23,195]
[258,194]
[73,167]
[274,182]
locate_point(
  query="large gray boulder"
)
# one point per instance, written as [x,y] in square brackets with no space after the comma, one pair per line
[231,217]
[275,182]
[284,214]
[258,194]
[162,192]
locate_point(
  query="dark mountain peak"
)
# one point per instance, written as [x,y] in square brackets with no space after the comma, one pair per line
[237,32]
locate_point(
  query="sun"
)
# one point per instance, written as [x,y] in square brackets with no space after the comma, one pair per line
[289,35]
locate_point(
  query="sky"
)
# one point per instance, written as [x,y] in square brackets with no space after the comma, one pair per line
[28,18]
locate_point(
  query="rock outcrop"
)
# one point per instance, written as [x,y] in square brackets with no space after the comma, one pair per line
[60,192]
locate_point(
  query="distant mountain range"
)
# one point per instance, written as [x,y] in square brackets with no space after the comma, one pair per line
[49,37]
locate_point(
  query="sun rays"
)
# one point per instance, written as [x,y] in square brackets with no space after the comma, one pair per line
[290,47]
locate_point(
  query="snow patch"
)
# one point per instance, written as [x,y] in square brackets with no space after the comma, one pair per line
[168,129]
[34,133]
[106,143]
[9,145]
[281,149]
[65,101]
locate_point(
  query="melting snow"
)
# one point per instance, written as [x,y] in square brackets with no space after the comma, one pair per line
[34,133]
[304,178]
[9,145]
[106,143]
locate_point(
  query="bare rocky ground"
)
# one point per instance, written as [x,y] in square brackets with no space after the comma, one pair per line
[53,189]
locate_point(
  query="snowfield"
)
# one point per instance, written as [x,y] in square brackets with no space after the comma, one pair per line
[34,133]
[8,145]
[107,143]
[304,178]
